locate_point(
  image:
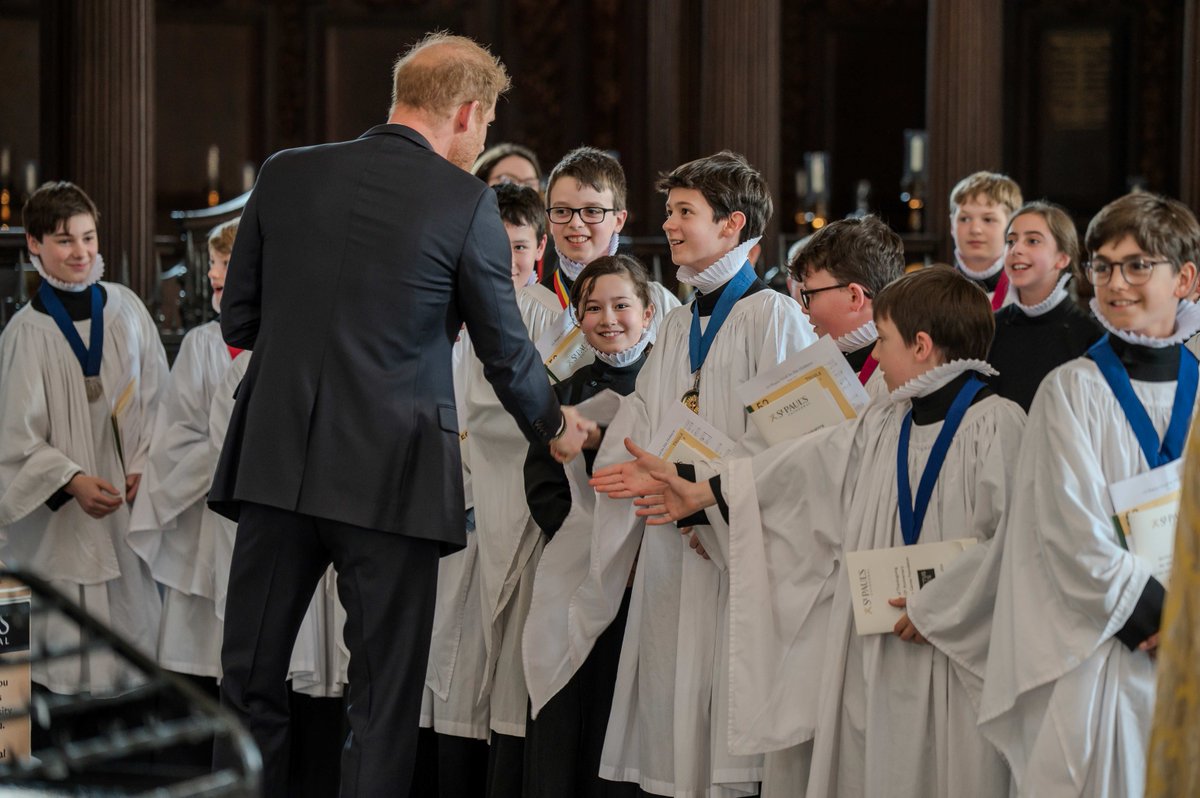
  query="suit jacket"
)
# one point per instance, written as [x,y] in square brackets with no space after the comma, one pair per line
[355,265]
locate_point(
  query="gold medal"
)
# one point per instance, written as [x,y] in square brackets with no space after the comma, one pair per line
[93,387]
[691,397]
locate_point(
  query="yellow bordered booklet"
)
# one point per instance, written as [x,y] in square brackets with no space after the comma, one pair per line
[684,437]
[563,348]
[15,685]
[812,389]
[1145,510]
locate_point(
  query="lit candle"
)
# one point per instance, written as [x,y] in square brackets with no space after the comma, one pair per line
[817,176]
[247,176]
[214,165]
[916,154]
[31,177]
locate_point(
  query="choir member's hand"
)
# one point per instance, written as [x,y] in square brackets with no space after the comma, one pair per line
[97,497]
[1150,645]
[694,542]
[594,438]
[131,487]
[679,498]
[633,477]
[567,446]
[904,627]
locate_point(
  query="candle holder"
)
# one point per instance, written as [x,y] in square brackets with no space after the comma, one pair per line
[913,186]
[816,167]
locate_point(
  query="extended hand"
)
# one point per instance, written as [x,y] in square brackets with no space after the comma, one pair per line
[678,499]
[97,497]
[904,627]
[576,428]
[633,477]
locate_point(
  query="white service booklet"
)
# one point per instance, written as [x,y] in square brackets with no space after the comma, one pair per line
[877,575]
[601,408]
[684,437]
[1145,510]
[812,389]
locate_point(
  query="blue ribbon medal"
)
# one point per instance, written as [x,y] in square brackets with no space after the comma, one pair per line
[1158,453]
[912,518]
[88,357]
[700,342]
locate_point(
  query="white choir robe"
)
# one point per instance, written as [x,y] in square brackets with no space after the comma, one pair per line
[49,432]
[884,716]
[508,541]
[1068,705]
[452,703]
[320,659]
[166,520]
[666,730]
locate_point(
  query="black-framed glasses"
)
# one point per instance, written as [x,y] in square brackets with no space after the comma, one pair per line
[806,293]
[1135,271]
[590,215]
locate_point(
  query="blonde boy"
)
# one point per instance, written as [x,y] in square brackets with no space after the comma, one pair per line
[980,206]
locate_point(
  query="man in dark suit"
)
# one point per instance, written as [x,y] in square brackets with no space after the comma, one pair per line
[355,265]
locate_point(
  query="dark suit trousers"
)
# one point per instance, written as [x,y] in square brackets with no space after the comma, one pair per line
[387,584]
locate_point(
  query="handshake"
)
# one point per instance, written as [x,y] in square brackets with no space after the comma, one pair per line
[577,433]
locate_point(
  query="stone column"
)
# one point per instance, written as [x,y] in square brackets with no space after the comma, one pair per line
[739,90]
[964,101]
[103,98]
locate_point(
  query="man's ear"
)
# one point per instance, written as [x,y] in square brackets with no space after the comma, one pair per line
[462,117]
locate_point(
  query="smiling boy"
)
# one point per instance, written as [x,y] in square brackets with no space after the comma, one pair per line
[1077,614]
[81,373]
[667,727]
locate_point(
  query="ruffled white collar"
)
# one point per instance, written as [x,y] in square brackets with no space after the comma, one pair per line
[1187,324]
[1049,303]
[986,274]
[939,377]
[720,272]
[93,276]
[572,268]
[625,356]
[857,339]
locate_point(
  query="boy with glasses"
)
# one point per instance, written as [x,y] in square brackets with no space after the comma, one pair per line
[585,199]
[1069,695]
[837,274]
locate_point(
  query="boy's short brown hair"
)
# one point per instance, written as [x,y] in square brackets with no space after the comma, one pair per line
[1160,226]
[620,263]
[942,303]
[52,205]
[864,251]
[521,205]
[488,159]
[593,168]
[729,183]
[992,186]
[221,238]
[439,85]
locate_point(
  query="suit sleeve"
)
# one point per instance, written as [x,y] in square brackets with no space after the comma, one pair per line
[488,305]
[241,304]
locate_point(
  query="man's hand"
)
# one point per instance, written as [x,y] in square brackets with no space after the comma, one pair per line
[97,497]
[678,499]
[131,487]
[904,627]
[633,477]
[576,429]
